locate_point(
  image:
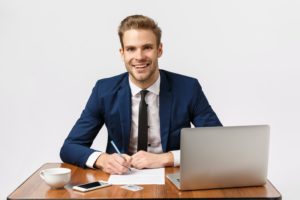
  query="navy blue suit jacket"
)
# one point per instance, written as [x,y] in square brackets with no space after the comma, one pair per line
[181,102]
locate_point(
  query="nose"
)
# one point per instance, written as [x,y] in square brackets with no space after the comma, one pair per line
[139,55]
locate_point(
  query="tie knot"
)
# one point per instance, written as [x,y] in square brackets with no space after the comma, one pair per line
[143,93]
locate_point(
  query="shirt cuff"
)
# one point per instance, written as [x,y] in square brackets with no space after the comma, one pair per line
[176,156]
[92,159]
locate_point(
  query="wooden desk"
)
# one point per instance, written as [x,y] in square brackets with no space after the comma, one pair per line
[35,188]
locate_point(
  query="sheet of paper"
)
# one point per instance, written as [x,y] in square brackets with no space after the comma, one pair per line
[139,177]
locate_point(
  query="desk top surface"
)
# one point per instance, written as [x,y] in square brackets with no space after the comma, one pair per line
[35,188]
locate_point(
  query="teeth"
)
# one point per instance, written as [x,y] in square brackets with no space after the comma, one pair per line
[140,66]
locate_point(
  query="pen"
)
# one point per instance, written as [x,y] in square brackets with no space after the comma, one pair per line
[117,150]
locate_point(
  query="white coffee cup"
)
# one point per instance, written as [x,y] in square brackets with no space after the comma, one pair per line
[56,177]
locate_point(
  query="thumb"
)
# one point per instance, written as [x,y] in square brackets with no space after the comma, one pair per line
[127,158]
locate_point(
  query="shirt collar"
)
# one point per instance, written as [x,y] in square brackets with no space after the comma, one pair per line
[154,88]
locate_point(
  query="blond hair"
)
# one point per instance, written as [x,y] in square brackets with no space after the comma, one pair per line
[139,22]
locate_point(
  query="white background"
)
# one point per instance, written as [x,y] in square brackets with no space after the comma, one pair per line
[246,55]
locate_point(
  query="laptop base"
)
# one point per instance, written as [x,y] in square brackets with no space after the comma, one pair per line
[175,179]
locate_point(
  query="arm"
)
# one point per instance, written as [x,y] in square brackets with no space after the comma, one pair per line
[76,148]
[201,112]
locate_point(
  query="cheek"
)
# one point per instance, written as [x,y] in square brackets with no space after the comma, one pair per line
[127,58]
[128,61]
[153,56]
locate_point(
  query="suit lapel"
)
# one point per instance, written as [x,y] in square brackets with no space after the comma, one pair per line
[124,100]
[165,103]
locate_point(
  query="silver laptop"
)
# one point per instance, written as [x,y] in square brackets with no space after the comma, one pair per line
[220,157]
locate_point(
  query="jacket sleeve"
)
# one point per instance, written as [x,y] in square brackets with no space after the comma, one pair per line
[202,113]
[76,148]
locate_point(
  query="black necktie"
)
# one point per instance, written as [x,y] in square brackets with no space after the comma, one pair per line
[143,123]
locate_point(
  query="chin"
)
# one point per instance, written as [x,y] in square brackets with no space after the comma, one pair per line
[141,78]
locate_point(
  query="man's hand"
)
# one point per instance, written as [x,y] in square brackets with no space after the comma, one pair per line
[113,163]
[144,159]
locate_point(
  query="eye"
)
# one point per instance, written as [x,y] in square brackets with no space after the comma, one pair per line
[129,49]
[148,47]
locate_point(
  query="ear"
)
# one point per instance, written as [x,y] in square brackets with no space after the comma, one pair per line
[121,50]
[160,50]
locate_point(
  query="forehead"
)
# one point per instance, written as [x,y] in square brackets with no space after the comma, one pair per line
[138,37]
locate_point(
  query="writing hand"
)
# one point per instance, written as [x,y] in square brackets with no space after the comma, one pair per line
[113,163]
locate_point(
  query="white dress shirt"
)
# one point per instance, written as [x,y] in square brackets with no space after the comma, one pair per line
[154,139]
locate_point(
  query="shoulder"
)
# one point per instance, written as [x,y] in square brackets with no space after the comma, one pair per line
[117,79]
[178,80]
[112,84]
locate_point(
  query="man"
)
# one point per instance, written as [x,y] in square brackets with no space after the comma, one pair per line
[143,109]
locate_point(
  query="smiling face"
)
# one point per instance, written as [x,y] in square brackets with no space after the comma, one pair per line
[140,54]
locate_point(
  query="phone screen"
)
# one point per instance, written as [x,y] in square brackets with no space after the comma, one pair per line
[90,185]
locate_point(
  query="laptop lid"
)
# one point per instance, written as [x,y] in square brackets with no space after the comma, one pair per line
[219,157]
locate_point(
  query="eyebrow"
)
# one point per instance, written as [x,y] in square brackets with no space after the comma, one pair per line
[144,45]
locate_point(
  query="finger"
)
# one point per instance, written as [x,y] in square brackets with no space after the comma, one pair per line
[136,159]
[121,165]
[138,162]
[112,170]
[122,160]
[128,159]
[138,165]
[113,166]
[110,165]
